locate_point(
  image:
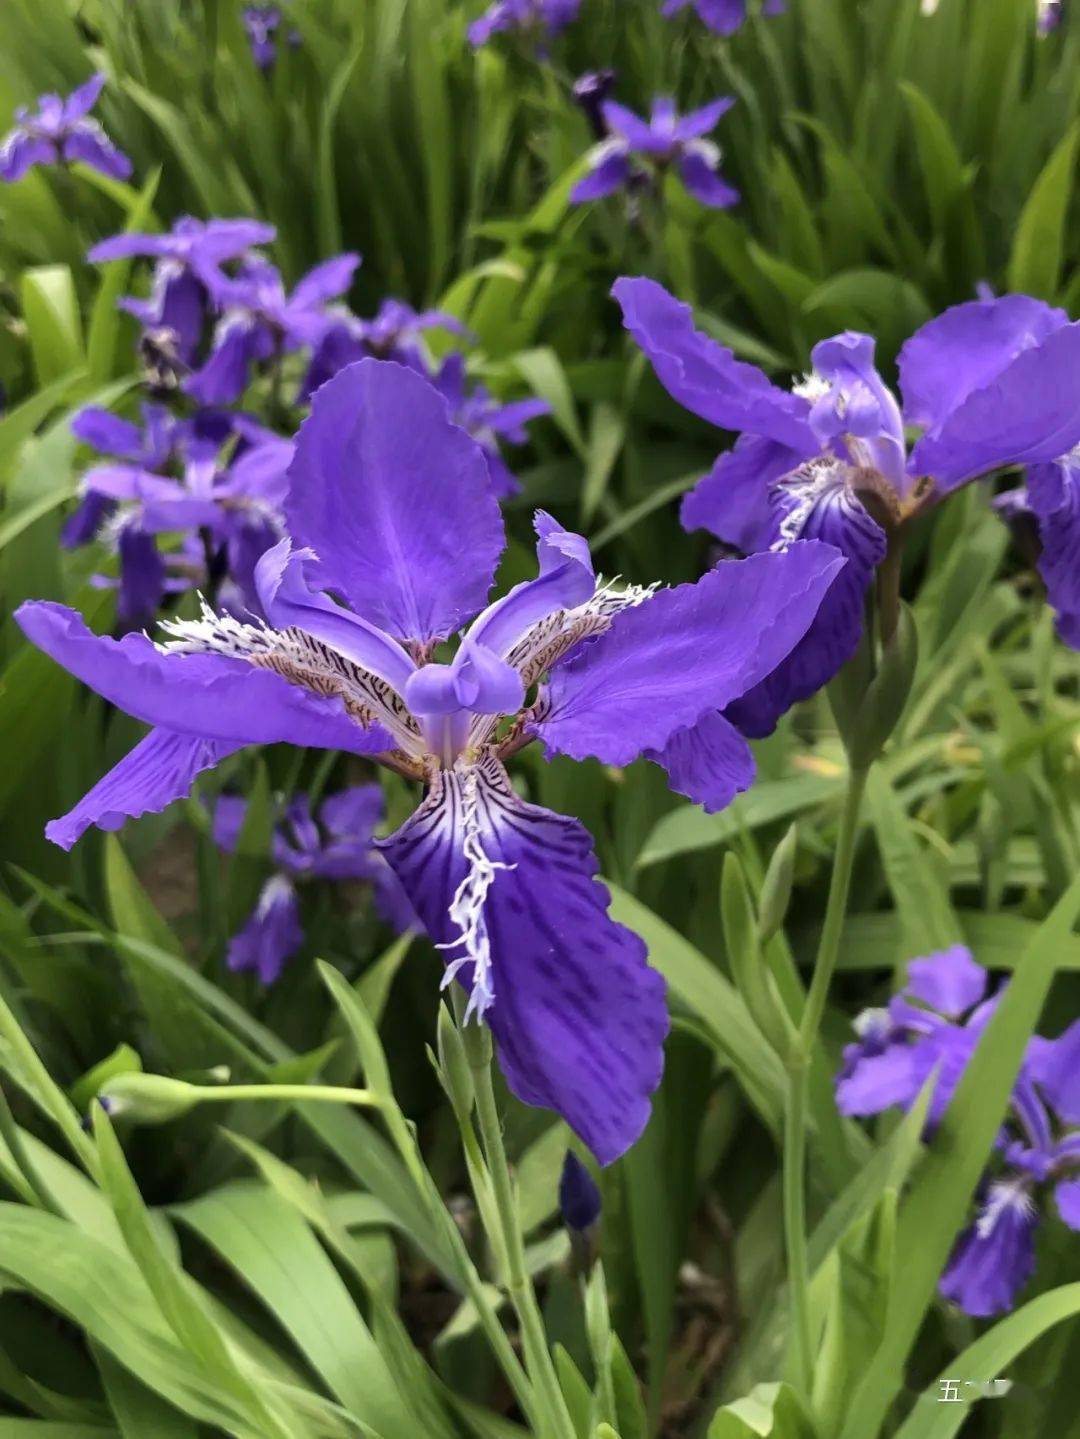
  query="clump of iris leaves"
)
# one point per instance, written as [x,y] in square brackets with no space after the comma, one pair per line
[280,1266]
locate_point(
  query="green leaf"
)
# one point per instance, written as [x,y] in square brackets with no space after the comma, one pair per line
[986,1358]
[265,1240]
[177,1296]
[105,317]
[51,311]
[771,1411]
[1038,244]
[713,1000]
[940,1197]
[138,1410]
[543,371]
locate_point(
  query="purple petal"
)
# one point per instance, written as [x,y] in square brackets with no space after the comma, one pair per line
[224,377]
[229,815]
[610,172]
[637,132]
[705,182]
[21,151]
[702,121]
[325,282]
[89,144]
[124,247]
[353,813]
[81,101]
[732,501]
[703,375]
[837,517]
[288,602]
[723,16]
[221,240]
[876,1082]
[710,762]
[1029,414]
[108,433]
[1055,1066]
[1053,494]
[566,580]
[395,501]
[1067,1198]
[578,1016]
[83,524]
[272,935]
[995,1258]
[160,769]
[965,349]
[142,577]
[206,695]
[949,981]
[665,664]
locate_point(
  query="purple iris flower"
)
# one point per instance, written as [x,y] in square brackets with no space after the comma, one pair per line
[261,322]
[723,16]
[636,148]
[187,273]
[535,18]
[1049,15]
[334,843]
[395,536]
[168,477]
[60,132]
[1049,503]
[262,23]
[990,383]
[935,1024]
[394,333]
[488,422]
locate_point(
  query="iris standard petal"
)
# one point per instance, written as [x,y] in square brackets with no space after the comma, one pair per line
[83,99]
[289,602]
[966,348]
[703,375]
[566,580]
[160,769]
[666,663]
[325,282]
[395,501]
[207,695]
[1029,414]
[949,981]
[1067,1199]
[578,1016]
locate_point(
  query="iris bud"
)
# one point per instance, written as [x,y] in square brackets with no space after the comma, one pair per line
[147,1098]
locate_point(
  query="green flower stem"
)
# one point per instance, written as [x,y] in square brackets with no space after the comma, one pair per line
[798,1066]
[519,1286]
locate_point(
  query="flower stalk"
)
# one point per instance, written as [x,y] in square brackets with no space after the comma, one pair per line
[798,1067]
[548,1394]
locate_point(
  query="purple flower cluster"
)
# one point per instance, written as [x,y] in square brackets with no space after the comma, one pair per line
[992,383]
[61,132]
[336,842]
[933,1026]
[538,20]
[1049,15]
[723,16]
[217,480]
[262,23]
[636,152]
[391,511]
